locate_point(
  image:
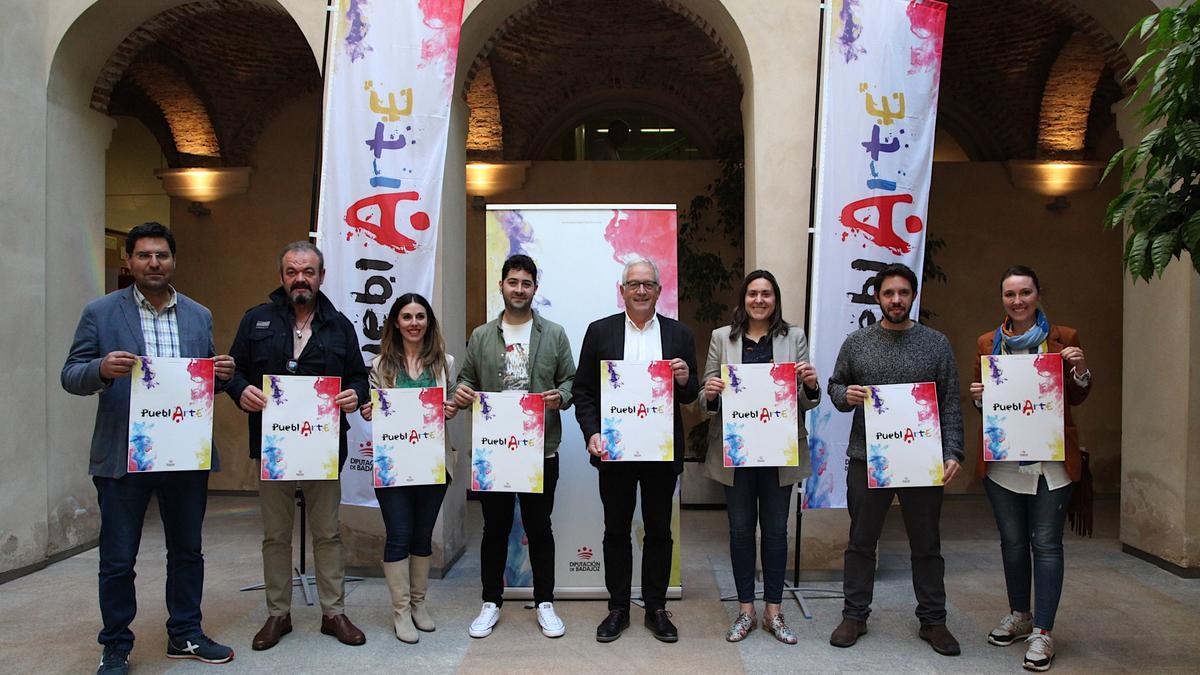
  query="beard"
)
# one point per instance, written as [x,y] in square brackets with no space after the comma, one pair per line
[301,294]
[896,315]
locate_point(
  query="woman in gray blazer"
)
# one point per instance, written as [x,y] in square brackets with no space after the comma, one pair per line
[758,334]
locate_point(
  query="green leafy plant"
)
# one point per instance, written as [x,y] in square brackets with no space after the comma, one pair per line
[931,271]
[703,275]
[1160,198]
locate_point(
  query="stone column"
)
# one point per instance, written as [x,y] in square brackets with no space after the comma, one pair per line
[1160,411]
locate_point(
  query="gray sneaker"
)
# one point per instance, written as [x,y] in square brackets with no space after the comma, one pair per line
[113,662]
[1040,652]
[1013,627]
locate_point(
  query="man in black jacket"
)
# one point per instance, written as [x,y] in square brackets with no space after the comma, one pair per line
[637,334]
[299,332]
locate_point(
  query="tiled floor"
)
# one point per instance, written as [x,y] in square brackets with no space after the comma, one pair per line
[1118,613]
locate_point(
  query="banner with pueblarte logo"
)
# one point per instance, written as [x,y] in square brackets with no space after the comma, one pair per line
[1023,408]
[408,436]
[758,415]
[389,75]
[300,428]
[508,440]
[879,89]
[637,411]
[904,435]
[580,250]
[170,414]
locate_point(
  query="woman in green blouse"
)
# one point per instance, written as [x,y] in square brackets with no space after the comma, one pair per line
[412,354]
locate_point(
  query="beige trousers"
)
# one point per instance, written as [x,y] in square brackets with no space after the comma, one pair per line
[277,501]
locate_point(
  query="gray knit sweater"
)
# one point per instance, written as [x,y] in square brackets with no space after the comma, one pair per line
[875,355]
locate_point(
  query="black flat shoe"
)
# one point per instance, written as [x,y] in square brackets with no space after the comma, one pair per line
[612,625]
[659,623]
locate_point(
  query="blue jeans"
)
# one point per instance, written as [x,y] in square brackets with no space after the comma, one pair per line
[409,514]
[757,499]
[1032,523]
[182,498]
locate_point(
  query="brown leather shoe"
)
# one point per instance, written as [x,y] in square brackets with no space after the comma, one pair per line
[940,639]
[275,628]
[341,628]
[847,633]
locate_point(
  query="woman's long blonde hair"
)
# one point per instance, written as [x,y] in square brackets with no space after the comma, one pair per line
[391,348]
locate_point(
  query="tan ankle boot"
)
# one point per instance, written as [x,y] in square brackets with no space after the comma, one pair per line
[398,584]
[419,577]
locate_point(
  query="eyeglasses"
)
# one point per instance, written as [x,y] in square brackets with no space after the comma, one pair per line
[635,285]
[145,256]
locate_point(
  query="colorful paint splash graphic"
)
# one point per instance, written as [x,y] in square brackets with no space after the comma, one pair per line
[614,376]
[784,377]
[385,467]
[848,30]
[148,375]
[327,389]
[431,402]
[484,406]
[995,442]
[276,387]
[273,462]
[735,380]
[534,409]
[200,371]
[481,470]
[735,445]
[818,488]
[356,30]
[648,234]
[611,444]
[925,395]
[141,447]
[876,401]
[879,473]
[445,18]
[927,21]
[1050,369]
[385,405]
[662,380]
[994,370]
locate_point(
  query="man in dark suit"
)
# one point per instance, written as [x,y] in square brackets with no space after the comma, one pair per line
[147,319]
[637,334]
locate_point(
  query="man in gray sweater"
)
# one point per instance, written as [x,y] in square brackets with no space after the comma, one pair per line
[896,350]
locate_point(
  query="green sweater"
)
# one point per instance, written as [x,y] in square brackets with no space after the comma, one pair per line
[551,366]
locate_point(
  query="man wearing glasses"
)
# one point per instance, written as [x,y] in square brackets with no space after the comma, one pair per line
[299,332]
[637,334]
[147,319]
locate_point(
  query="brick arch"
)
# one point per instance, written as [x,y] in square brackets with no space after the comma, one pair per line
[997,60]
[1067,99]
[220,68]
[548,53]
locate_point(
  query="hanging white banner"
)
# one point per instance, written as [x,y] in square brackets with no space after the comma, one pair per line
[389,73]
[882,61]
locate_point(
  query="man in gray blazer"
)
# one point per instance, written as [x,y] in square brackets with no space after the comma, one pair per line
[147,319]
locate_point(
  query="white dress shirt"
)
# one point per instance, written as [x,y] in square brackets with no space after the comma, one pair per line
[643,344]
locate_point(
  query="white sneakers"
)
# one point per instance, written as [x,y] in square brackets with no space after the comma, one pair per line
[482,626]
[489,615]
[1040,653]
[552,626]
[1012,627]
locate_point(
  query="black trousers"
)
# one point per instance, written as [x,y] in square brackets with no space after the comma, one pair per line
[922,509]
[619,482]
[536,509]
